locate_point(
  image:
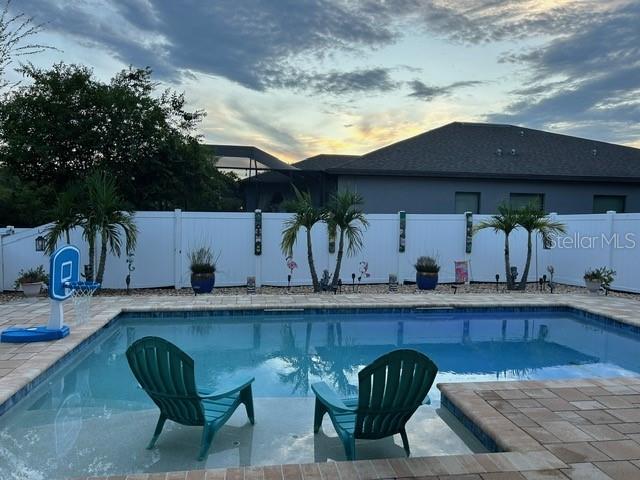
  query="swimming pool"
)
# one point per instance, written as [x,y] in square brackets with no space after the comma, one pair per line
[90,417]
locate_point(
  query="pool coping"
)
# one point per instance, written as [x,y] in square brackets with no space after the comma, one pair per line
[26,376]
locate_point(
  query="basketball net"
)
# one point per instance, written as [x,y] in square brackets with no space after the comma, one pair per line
[81,295]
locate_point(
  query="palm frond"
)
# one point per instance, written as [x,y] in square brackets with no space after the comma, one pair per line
[344,212]
[506,220]
[305,215]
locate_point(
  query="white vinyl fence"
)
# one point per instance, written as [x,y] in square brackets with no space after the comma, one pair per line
[165,238]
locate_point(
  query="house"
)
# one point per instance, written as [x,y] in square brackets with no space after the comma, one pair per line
[470,167]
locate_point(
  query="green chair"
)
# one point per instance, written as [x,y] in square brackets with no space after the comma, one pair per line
[166,373]
[390,390]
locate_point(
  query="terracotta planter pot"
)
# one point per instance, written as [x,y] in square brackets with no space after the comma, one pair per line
[593,286]
[203,282]
[426,281]
[31,289]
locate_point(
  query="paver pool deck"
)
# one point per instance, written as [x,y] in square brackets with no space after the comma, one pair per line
[579,429]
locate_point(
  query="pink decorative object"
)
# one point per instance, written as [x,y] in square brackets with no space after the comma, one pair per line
[291,264]
[462,271]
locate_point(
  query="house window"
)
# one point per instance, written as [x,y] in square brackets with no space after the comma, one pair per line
[467,202]
[519,200]
[604,203]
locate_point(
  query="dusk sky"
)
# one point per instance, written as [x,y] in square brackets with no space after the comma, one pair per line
[301,77]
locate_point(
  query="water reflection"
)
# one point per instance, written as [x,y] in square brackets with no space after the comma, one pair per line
[300,363]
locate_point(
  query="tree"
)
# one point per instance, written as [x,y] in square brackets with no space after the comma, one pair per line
[505,221]
[343,214]
[24,203]
[305,215]
[15,31]
[106,215]
[65,124]
[533,219]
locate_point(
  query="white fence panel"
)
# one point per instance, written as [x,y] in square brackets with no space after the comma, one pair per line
[379,251]
[625,258]
[165,238]
[18,252]
[153,256]
[230,235]
[274,270]
[580,248]
[439,236]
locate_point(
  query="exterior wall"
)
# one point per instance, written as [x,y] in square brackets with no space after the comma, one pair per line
[389,194]
[261,194]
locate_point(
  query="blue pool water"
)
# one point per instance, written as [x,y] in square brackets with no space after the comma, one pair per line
[82,419]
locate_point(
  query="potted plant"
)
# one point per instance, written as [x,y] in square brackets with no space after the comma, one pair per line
[203,270]
[597,278]
[30,281]
[427,269]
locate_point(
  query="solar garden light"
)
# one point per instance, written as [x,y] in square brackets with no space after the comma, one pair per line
[497,282]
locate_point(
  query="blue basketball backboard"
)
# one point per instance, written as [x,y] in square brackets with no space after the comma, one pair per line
[64,267]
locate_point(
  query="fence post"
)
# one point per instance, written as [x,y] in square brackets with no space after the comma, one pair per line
[1,263]
[468,245]
[257,245]
[611,216]
[177,248]
[402,242]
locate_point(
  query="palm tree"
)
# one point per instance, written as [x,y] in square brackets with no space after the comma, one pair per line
[343,214]
[106,215]
[67,217]
[534,220]
[505,221]
[305,215]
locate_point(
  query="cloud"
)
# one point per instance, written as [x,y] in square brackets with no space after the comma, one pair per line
[427,93]
[486,21]
[587,83]
[247,42]
[336,82]
[258,44]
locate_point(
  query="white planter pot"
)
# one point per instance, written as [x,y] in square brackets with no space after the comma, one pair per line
[31,289]
[593,286]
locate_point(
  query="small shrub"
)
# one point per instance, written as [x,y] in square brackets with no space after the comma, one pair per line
[604,275]
[33,275]
[427,265]
[201,261]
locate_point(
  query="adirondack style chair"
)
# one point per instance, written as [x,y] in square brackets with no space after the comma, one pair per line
[390,390]
[166,374]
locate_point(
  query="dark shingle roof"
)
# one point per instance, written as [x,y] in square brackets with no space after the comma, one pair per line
[507,151]
[324,161]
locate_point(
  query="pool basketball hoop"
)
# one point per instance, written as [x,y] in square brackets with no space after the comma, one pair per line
[64,282]
[81,294]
